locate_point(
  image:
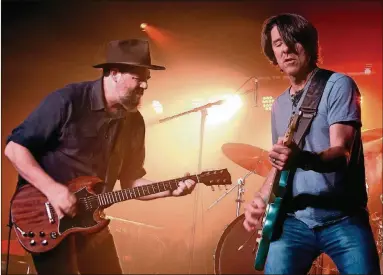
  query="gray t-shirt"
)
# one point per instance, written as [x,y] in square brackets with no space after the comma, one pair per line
[323,198]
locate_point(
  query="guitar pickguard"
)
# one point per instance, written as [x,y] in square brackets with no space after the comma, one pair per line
[84,217]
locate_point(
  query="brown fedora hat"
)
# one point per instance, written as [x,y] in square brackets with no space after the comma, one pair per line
[132,52]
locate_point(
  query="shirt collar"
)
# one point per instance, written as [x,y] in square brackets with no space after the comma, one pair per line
[98,103]
[97,96]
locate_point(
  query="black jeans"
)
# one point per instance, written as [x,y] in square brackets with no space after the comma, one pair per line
[90,254]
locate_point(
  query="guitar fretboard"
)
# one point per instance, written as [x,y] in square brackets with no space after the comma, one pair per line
[139,191]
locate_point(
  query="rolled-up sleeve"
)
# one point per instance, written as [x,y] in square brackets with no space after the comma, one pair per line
[38,129]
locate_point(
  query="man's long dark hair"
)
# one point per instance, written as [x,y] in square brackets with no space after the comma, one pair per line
[293,29]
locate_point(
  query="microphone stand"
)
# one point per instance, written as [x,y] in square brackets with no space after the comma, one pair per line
[203,110]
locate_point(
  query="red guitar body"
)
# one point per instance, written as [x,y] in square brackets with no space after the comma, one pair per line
[36,224]
[39,230]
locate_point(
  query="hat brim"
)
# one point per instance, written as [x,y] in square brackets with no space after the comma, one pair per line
[108,65]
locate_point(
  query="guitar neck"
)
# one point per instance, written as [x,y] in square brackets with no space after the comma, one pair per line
[272,180]
[141,191]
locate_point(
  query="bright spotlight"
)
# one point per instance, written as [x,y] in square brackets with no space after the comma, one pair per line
[267,102]
[225,111]
[143,26]
[157,106]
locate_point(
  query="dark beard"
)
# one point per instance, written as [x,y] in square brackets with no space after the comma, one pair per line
[132,101]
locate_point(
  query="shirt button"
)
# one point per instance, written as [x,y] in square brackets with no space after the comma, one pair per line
[106,136]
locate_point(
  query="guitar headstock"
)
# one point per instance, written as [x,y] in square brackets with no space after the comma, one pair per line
[215,177]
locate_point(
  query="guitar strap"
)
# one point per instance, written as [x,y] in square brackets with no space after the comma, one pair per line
[309,107]
[307,112]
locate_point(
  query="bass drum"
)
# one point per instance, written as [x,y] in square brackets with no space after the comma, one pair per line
[227,258]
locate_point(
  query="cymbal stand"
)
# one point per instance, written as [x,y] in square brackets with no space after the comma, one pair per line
[241,189]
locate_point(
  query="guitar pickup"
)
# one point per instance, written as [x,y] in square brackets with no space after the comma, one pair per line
[49,212]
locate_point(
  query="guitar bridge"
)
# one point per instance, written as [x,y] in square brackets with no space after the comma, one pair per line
[49,212]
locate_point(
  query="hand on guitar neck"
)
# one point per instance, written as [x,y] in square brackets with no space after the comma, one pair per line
[283,155]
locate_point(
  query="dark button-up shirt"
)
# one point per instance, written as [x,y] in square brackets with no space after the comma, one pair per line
[71,134]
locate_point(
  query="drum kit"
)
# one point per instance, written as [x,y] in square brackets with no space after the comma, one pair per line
[235,251]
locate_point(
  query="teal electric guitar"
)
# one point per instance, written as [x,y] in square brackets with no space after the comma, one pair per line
[278,183]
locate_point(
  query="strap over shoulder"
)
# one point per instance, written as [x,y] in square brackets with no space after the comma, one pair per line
[309,107]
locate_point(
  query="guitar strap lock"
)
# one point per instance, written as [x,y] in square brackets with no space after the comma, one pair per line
[308,112]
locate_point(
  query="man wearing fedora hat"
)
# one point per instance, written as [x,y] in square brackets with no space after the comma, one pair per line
[75,132]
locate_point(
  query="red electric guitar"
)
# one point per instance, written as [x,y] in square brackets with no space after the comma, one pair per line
[39,230]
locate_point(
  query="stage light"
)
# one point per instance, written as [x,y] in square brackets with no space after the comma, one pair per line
[267,102]
[143,26]
[225,111]
[368,69]
[157,106]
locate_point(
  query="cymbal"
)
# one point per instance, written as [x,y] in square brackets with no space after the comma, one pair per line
[15,248]
[249,157]
[372,134]
[373,148]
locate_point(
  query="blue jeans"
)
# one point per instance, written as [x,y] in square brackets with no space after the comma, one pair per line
[349,243]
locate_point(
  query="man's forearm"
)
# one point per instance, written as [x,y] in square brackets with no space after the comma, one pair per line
[27,166]
[330,160]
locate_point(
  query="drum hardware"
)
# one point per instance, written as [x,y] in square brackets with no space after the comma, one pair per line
[253,159]
[233,255]
[372,134]
[241,190]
